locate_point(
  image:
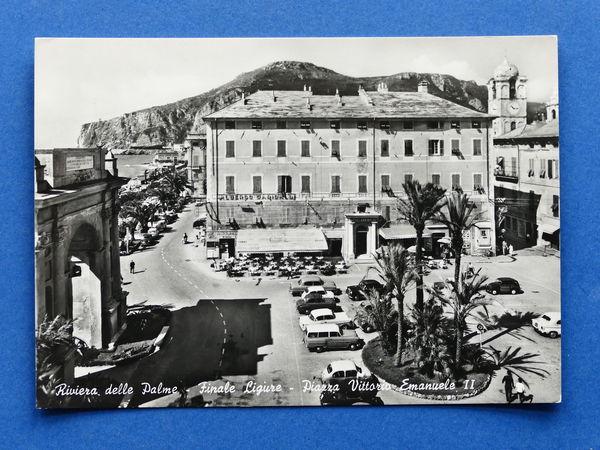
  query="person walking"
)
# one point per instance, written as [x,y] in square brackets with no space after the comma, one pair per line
[504,248]
[520,390]
[131,267]
[509,384]
[510,250]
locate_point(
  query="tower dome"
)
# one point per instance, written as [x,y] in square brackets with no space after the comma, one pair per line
[506,70]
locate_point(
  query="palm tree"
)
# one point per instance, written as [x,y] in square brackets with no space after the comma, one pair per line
[464,299]
[459,215]
[394,266]
[176,180]
[421,203]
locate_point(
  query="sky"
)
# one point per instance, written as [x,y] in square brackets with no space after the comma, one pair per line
[83,80]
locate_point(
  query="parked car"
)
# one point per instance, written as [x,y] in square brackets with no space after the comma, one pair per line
[298,287]
[304,306]
[356,292]
[321,337]
[325,315]
[503,285]
[343,370]
[318,292]
[548,324]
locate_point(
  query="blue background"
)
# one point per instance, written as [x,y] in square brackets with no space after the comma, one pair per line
[574,423]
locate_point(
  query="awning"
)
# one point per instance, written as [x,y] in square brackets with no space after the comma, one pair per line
[280,240]
[401,231]
[548,228]
[333,233]
[484,225]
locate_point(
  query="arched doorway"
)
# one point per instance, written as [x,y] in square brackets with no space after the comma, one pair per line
[360,240]
[85,287]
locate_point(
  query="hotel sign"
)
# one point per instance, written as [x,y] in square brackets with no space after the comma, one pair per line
[79,163]
[255,197]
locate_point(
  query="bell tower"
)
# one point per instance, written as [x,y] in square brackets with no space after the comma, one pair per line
[507,99]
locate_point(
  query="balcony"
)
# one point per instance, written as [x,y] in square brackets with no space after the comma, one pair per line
[509,177]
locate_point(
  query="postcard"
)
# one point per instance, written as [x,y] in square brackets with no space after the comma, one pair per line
[297,222]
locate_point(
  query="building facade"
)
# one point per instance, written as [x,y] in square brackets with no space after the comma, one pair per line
[195,148]
[526,172]
[296,159]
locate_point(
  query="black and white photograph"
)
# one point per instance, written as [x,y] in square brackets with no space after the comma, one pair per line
[262,222]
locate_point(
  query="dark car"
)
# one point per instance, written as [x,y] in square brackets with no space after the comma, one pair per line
[304,306]
[356,292]
[503,285]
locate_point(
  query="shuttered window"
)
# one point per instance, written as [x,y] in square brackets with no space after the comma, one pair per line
[229,149]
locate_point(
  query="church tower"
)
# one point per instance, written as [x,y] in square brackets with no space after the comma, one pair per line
[507,99]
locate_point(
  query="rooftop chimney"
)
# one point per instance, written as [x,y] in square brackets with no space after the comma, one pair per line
[423,87]
[382,88]
[244,99]
[304,87]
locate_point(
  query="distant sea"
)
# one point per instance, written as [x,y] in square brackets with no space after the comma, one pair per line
[131,166]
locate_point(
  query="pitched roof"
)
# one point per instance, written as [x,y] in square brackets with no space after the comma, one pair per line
[295,104]
[533,130]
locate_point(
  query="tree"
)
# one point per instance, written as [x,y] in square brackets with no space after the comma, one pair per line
[395,267]
[463,300]
[163,192]
[172,178]
[421,203]
[380,310]
[459,215]
[139,210]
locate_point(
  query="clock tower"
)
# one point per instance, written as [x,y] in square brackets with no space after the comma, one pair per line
[507,99]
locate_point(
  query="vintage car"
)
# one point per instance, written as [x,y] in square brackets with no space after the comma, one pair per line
[548,324]
[318,292]
[325,315]
[306,305]
[343,370]
[357,292]
[298,287]
[321,337]
[348,384]
[503,285]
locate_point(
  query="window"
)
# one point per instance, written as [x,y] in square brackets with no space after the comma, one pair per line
[436,147]
[305,180]
[477,182]
[362,149]
[555,168]
[455,124]
[408,177]
[408,125]
[281,149]
[408,147]
[385,147]
[195,160]
[385,125]
[435,179]
[230,125]
[230,185]
[456,182]
[550,168]
[257,125]
[362,125]
[434,124]
[387,213]
[335,149]
[284,184]
[455,143]
[542,168]
[256,149]
[531,171]
[513,166]
[476,124]
[229,149]
[257,184]
[513,126]
[305,148]
[555,205]
[385,183]
[305,124]
[281,125]
[362,184]
[334,124]
[476,147]
[335,184]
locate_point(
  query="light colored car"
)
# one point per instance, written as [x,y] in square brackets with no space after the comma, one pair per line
[343,370]
[328,336]
[298,287]
[325,315]
[548,324]
[316,291]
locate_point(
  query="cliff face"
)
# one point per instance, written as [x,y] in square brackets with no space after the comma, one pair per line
[160,125]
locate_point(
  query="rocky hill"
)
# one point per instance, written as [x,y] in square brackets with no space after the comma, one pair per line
[159,125]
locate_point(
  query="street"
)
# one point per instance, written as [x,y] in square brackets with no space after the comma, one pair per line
[246,330]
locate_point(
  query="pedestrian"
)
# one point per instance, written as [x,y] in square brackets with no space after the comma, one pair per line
[510,250]
[131,267]
[470,269]
[520,390]
[509,384]
[504,247]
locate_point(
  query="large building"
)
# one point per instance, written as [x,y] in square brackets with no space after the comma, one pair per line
[195,147]
[335,165]
[526,172]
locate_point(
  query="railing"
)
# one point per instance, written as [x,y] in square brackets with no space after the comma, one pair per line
[508,177]
[305,196]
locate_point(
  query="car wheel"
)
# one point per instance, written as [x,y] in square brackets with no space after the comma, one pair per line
[353,346]
[553,334]
[513,291]
[319,349]
[494,291]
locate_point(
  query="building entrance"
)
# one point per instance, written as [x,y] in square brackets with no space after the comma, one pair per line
[360,245]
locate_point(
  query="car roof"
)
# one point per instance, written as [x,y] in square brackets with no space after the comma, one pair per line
[370,281]
[315,289]
[505,279]
[343,364]
[322,311]
[555,315]
[322,327]
[309,278]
